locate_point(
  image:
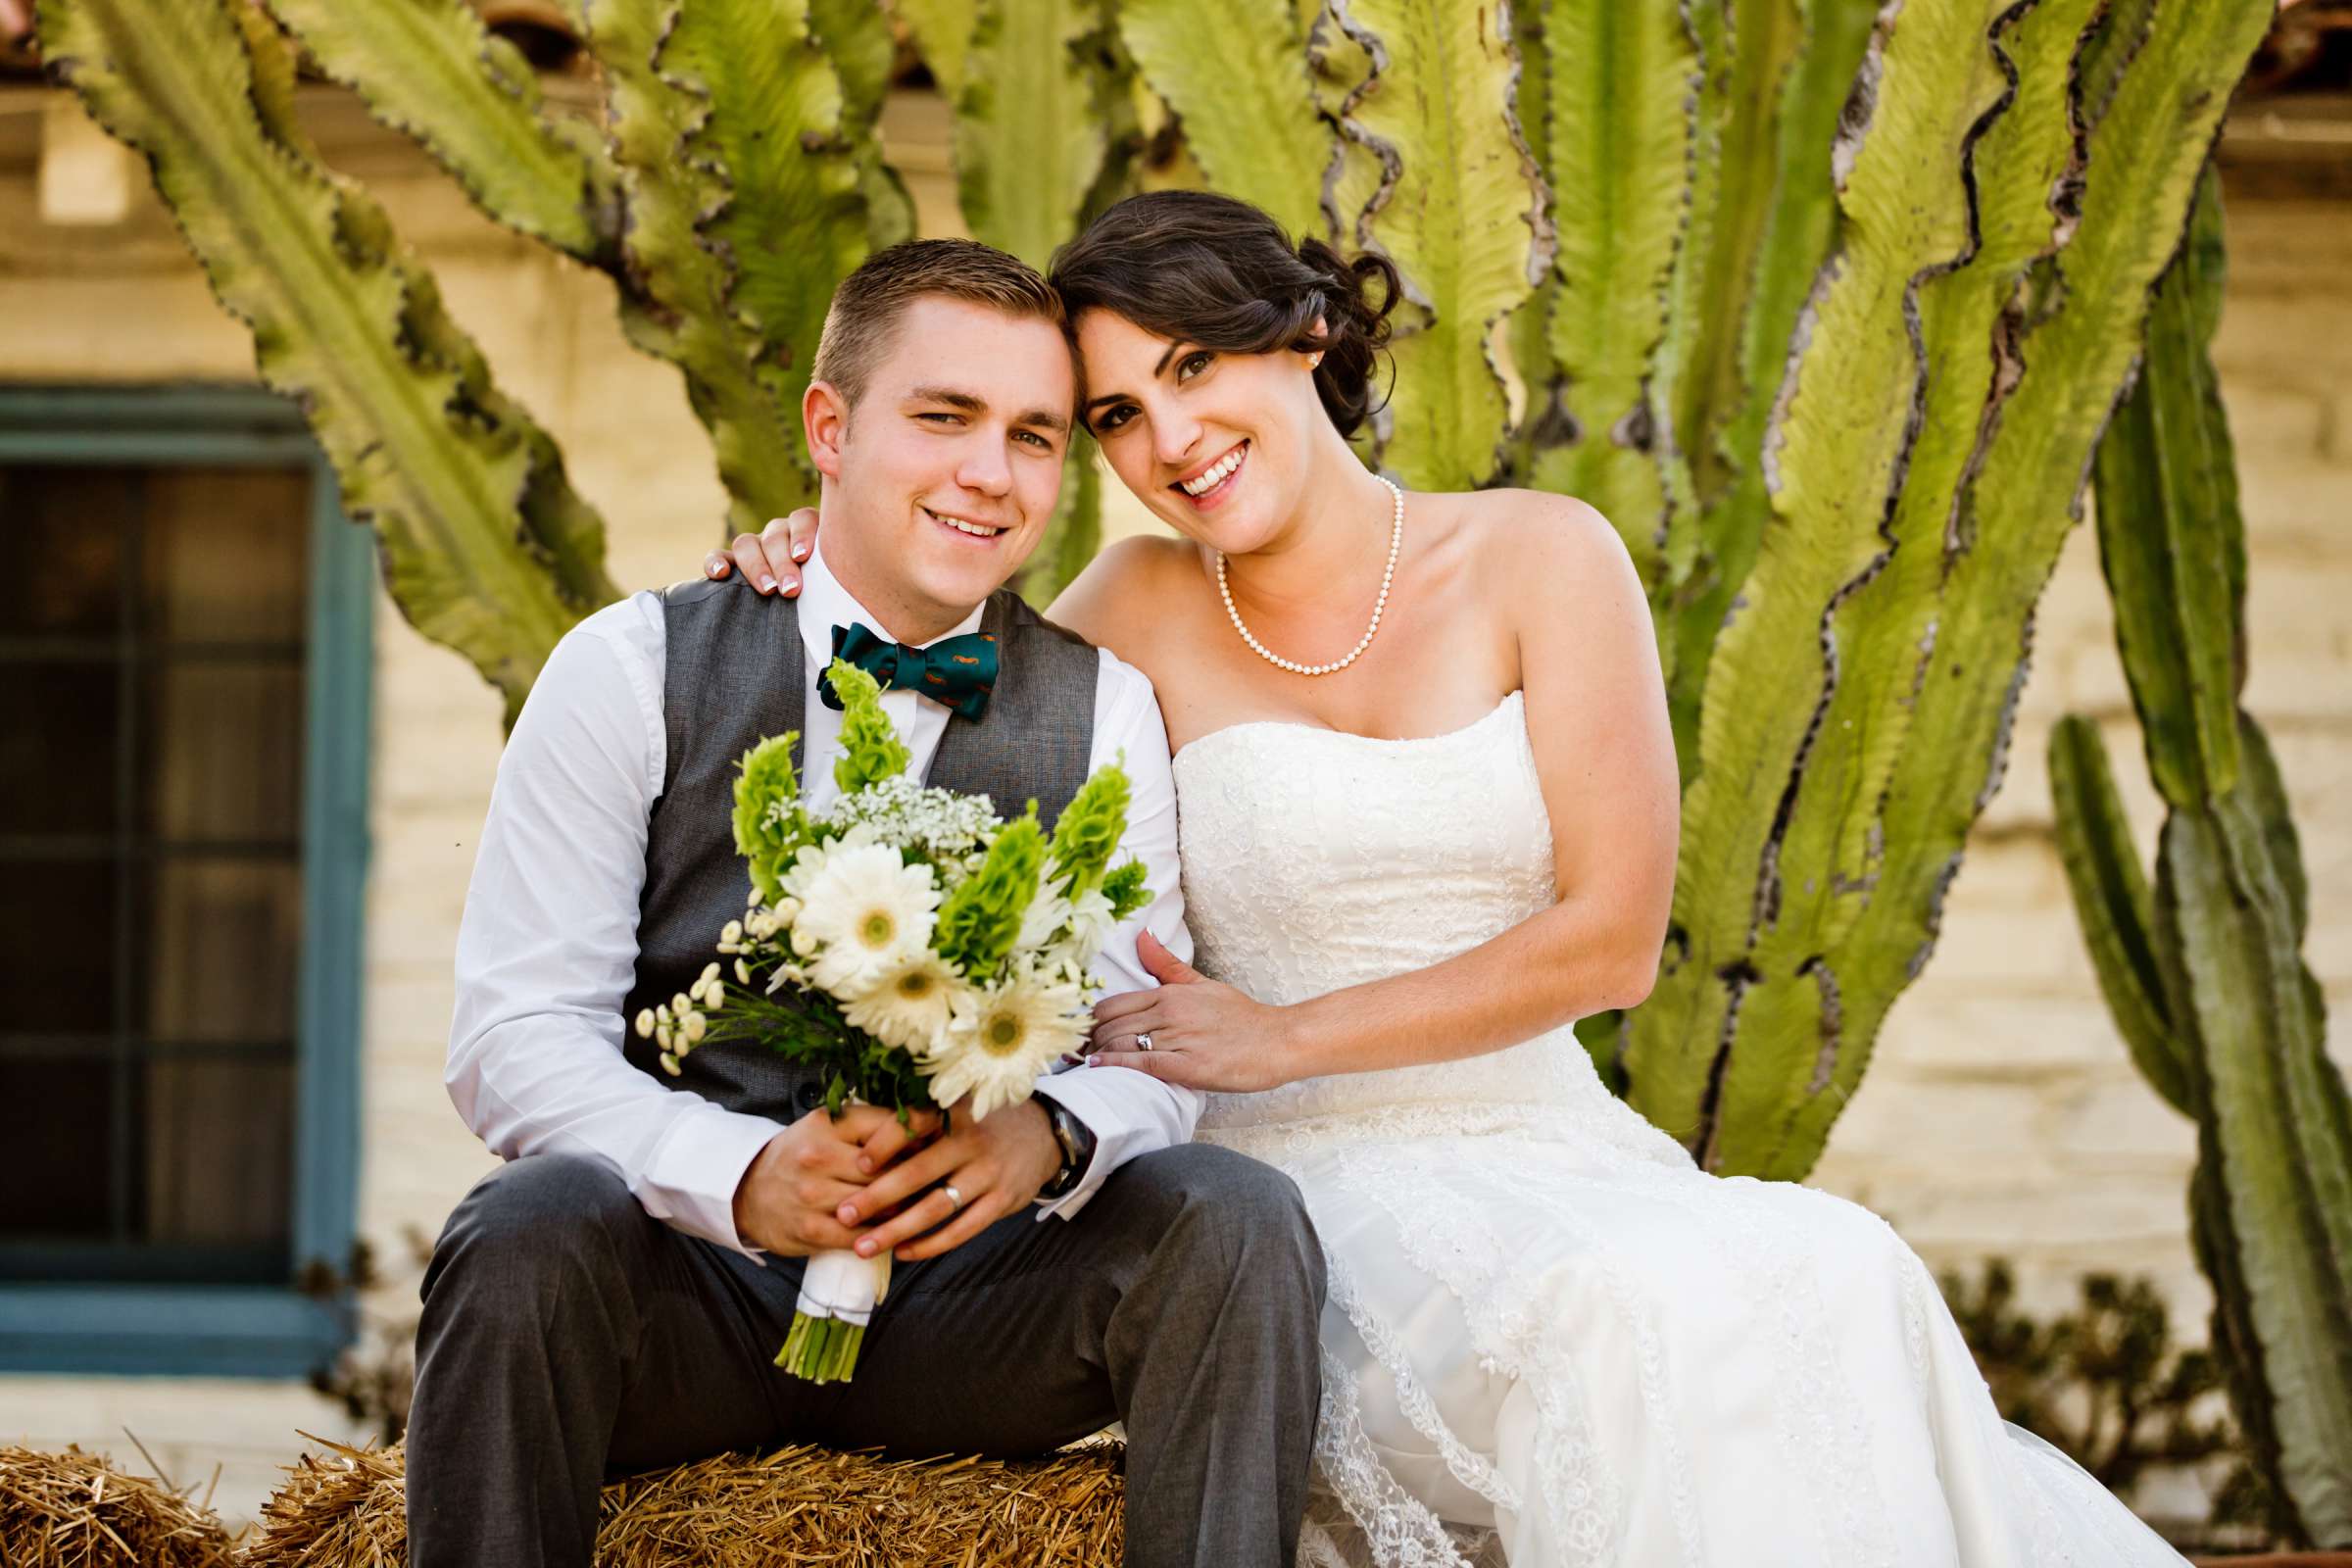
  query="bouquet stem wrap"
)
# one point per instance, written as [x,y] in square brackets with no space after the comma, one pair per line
[838,1293]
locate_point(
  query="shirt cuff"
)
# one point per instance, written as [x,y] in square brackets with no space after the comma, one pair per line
[691,1181]
[1118,1138]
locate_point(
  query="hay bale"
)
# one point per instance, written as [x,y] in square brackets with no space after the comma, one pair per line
[345,1510]
[76,1510]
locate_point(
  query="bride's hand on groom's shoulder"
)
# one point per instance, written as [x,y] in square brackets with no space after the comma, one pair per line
[771,558]
[1203,1033]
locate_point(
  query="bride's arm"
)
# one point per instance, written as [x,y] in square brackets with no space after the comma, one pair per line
[1604,756]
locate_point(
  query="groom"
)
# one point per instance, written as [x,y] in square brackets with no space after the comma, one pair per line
[611,1297]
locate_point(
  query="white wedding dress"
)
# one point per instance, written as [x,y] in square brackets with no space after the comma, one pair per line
[1551,1340]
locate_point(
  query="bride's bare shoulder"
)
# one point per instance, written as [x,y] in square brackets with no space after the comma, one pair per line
[1533,541]
[1101,603]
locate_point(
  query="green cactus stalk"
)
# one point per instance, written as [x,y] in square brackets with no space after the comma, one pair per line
[486,548]
[1770,234]
[430,68]
[1790,940]
[1249,105]
[1620,81]
[2205,979]
[1460,210]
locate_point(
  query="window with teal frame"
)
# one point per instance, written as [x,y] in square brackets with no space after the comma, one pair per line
[185,663]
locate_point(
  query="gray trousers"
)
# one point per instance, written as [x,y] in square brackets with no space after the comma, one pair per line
[566,1334]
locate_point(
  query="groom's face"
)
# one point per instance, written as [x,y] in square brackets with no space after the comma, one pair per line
[943,477]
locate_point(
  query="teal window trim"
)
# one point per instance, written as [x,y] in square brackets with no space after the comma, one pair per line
[244,1331]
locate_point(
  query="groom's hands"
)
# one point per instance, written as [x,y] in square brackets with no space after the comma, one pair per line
[788,1201]
[996,1165]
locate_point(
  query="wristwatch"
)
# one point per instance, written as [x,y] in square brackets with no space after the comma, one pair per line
[1077,1141]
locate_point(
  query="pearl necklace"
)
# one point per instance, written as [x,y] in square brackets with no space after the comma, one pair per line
[1388,573]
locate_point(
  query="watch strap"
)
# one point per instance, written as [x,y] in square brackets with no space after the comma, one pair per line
[1077,1141]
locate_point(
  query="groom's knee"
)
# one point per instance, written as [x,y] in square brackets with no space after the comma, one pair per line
[1238,1212]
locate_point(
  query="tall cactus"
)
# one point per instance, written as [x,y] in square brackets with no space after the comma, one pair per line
[1895,578]
[2205,978]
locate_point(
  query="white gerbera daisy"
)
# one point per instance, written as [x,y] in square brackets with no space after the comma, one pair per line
[909,1004]
[869,909]
[1003,1036]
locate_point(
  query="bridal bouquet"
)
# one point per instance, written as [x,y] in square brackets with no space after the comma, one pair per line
[908,945]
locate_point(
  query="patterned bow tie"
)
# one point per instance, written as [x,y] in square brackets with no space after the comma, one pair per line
[957,672]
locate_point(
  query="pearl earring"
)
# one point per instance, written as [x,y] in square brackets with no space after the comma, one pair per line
[1315,359]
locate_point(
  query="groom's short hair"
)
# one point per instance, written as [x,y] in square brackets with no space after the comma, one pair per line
[866,309]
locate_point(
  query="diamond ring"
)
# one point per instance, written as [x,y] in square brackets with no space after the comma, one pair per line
[1143,1042]
[953,1197]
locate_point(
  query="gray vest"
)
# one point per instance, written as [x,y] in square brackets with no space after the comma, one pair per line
[734,674]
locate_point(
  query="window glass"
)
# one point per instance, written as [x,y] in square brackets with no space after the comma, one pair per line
[152,734]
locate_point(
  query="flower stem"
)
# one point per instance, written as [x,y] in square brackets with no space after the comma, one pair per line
[822,1349]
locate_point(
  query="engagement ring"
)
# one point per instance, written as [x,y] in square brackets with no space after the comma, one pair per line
[953,1197]
[1143,1042]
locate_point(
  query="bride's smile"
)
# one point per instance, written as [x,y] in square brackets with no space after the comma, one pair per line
[1216,480]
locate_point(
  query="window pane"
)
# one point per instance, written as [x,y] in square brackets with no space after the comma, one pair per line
[54,1123]
[227,555]
[154,618]
[219,959]
[225,761]
[218,1152]
[57,747]
[61,553]
[58,952]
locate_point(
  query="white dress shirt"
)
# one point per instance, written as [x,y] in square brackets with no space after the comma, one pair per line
[547,951]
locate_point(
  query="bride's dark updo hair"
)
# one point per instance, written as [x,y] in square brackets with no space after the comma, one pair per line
[1198,267]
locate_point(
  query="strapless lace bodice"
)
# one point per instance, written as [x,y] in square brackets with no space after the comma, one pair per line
[1315,860]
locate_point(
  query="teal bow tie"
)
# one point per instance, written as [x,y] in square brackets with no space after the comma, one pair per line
[957,672]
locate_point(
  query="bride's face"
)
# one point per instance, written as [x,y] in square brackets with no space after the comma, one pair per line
[1216,444]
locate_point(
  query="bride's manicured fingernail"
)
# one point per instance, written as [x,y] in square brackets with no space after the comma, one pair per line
[767,585]
[800,552]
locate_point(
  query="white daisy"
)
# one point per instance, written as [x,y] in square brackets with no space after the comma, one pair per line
[1003,1036]
[909,1004]
[869,908]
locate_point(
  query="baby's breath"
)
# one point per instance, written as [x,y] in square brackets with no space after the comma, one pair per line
[942,823]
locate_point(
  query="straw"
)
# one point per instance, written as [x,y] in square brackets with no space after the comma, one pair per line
[76,1510]
[345,1509]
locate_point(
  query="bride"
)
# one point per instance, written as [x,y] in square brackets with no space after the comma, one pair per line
[1429,821]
